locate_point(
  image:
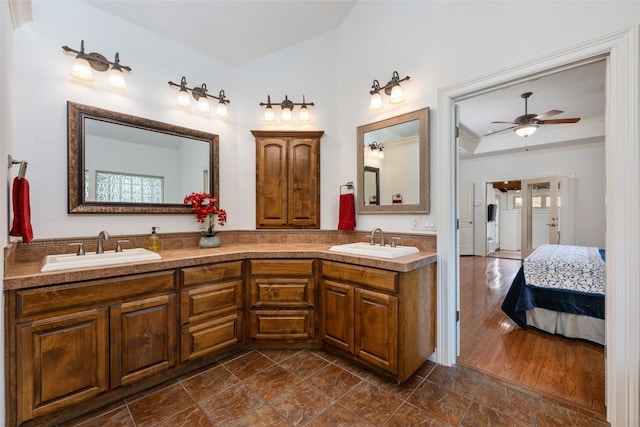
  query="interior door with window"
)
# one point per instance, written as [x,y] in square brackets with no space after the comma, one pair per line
[540,213]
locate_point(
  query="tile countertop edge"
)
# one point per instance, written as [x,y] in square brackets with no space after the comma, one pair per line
[28,275]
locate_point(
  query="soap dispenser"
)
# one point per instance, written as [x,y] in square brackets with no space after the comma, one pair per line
[154,240]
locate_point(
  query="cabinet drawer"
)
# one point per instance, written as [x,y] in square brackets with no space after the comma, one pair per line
[209,337]
[211,273]
[365,276]
[294,267]
[86,294]
[276,292]
[200,302]
[282,324]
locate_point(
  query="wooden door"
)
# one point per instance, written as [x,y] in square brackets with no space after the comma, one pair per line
[143,338]
[376,329]
[303,183]
[61,361]
[271,182]
[336,326]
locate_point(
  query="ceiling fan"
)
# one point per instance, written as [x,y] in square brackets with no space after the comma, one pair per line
[527,124]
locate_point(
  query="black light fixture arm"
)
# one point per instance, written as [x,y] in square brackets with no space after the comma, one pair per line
[395,80]
[198,92]
[97,61]
[287,103]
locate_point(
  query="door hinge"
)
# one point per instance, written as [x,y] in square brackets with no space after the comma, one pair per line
[458,316]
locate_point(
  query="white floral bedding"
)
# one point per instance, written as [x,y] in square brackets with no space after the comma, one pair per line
[574,268]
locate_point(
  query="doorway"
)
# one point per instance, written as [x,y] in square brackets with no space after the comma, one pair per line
[622,208]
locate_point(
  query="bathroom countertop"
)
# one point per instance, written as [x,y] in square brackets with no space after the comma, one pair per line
[25,275]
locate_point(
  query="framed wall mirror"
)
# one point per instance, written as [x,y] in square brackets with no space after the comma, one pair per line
[123,164]
[393,165]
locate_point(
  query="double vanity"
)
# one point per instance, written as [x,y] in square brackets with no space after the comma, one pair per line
[80,337]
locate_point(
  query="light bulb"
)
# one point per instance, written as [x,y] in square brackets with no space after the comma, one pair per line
[184,100]
[269,115]
[81,69]
[221,109]
[286,115]
[203,104]
[116,79]
[376,101]
[397,95]
[304,114]
[526,130]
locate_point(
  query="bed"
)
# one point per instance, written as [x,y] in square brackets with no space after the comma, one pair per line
[560,289]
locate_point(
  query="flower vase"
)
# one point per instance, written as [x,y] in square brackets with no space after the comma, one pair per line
[209,241]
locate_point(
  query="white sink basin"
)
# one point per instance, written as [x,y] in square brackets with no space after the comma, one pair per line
[92,259]
[366,249]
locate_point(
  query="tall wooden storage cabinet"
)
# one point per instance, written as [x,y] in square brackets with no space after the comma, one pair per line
[287,179]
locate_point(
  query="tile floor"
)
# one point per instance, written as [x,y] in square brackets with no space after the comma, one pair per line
[315,388]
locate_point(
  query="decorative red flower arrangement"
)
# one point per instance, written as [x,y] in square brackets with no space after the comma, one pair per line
[204,206]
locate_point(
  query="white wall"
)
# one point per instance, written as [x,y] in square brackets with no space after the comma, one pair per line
[334,70]
[585,163]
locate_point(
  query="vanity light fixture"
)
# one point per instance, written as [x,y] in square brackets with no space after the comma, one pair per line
[85,62]
[287,110]
[377,149]
[202,98]
[393,89]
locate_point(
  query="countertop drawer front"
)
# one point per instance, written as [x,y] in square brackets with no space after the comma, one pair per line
[211,336]
[369,277]
[212,273]
[276,292]
[94,293]
[279,267]
[210,300]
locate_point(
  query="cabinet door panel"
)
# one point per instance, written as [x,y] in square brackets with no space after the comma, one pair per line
[376,329]
[271,182]
[303,190]
[62,361]
[212,336]
[336,326]
[274,292]
[143,338]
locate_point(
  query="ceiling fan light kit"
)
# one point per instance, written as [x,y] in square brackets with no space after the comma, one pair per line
[527,124]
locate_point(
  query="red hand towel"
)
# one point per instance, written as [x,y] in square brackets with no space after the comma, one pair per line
[21,210]
[347,216]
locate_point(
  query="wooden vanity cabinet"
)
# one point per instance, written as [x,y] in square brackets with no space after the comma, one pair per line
[287,179]
[281,296]
[211,304]
[76,341]
[383,319]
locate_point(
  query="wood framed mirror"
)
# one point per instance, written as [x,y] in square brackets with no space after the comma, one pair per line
[123,164]
[394,153]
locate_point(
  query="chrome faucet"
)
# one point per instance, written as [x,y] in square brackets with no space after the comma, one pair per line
[101,237]
[373,236]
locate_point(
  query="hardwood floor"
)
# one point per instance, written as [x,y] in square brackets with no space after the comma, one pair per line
[570,370]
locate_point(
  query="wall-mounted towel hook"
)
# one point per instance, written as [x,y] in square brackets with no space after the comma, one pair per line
[348,186]
[23,166]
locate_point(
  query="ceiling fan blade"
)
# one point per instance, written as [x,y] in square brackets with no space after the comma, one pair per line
[509,123]
[489,133]
[549,113]
[559,121]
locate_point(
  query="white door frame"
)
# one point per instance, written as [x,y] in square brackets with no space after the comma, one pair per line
[622,152]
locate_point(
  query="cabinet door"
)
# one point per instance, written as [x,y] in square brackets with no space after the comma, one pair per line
[303,183]
[271,182]
[61,361]
[376,329]
[336,326]
[143,338]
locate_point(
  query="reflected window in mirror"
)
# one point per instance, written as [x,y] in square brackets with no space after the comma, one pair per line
[393,159]
[125,164]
